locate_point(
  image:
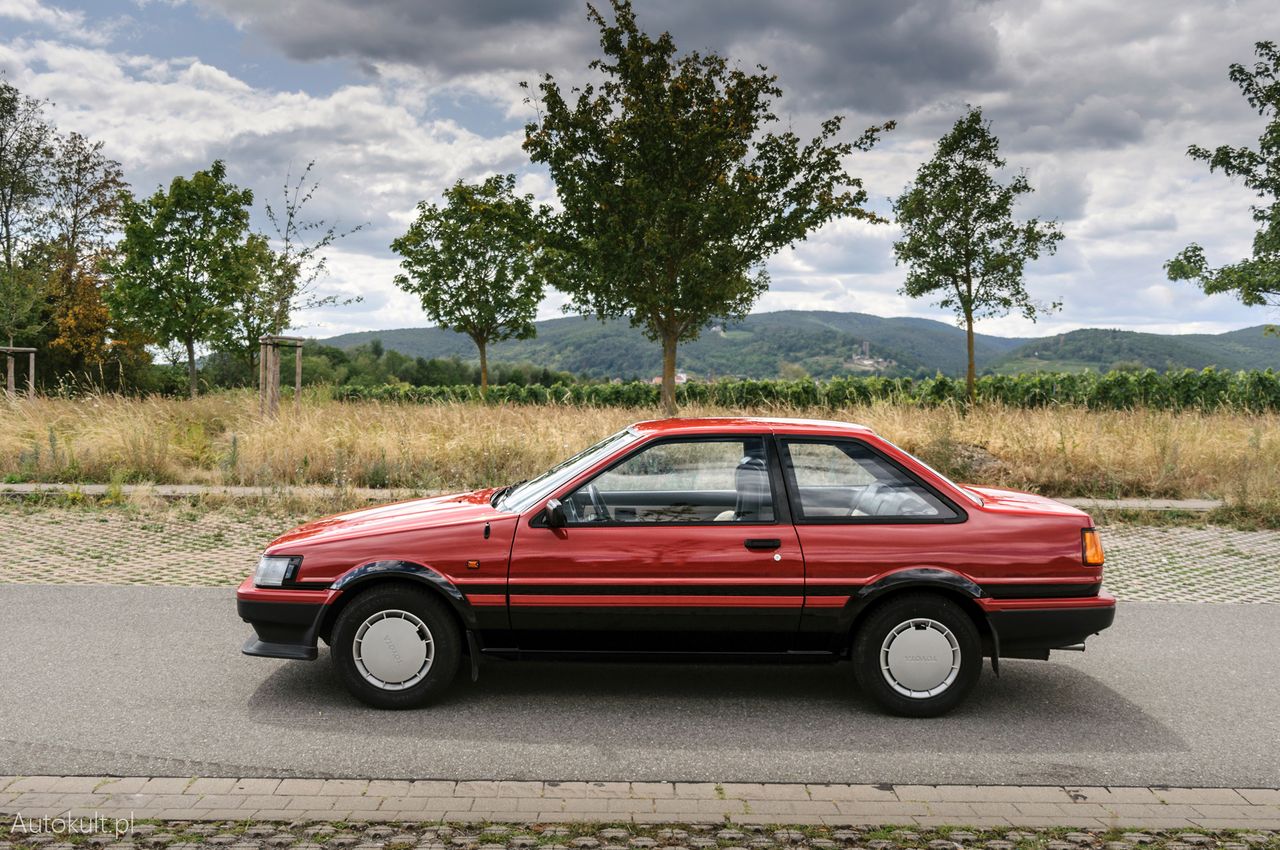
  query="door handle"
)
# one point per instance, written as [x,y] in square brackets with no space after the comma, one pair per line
[762,544]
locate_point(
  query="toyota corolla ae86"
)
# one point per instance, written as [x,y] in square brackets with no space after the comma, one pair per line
[765,538]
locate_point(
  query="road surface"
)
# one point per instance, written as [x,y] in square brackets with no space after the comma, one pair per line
[150,681]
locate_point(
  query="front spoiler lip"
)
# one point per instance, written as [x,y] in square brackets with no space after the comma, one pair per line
[282,629]
[259,648]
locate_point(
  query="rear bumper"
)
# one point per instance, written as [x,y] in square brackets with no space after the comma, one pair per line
[286,624]
[1042,624]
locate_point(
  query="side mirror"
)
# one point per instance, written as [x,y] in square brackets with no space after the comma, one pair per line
[555,514]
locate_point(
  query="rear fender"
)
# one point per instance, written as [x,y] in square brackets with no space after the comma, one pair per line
[949,583]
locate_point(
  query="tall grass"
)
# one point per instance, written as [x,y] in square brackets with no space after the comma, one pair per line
[220,439]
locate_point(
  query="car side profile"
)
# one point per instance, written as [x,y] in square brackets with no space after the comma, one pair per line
[768,538]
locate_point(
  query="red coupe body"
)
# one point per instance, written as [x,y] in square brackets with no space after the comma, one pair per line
[736,535]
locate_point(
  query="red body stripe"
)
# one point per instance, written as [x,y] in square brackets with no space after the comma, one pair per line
[825,601]
[1102,600]
[664,580]
[663,601]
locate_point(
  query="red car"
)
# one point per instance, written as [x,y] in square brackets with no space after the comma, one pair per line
[733,536]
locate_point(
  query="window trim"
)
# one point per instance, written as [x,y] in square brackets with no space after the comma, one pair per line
[781,506]
[797,507]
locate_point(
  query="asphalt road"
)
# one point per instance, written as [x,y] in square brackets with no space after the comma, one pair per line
[131,680]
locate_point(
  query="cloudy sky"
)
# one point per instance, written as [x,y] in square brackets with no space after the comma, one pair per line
[396,99]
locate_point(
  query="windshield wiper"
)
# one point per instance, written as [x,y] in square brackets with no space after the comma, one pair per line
[501,492]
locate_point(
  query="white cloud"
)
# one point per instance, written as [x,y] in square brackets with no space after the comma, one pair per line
[64,22]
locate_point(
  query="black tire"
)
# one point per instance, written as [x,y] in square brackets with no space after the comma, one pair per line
[889,616]
[445,638]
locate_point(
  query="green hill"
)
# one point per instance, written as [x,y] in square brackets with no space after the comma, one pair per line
[824,344]
[1094,348]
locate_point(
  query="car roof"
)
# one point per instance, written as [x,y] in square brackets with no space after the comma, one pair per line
[748,424]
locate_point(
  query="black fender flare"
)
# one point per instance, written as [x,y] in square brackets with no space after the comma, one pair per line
[924,578]
[376,571]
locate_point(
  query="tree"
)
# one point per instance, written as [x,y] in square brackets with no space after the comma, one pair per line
[289,281]
[85,212]
[183,261]
[475,262]
[674,194]
[960,241]
[25,151]
[1255,280]
[256,309]
[279,280]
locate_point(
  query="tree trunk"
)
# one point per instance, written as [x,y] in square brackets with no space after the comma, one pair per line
[484,367]
[191,366]
[669,343]
[970,384]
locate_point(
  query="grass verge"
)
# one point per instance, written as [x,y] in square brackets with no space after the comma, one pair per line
[221,439]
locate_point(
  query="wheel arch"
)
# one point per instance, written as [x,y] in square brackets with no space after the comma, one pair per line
[950,585]
[355,582]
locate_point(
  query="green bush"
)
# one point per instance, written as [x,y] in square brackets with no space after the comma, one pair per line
[1188,389]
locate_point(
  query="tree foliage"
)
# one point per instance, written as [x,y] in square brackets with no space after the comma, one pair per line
[476,262]
[1256,279]
[960,241]
[86,208]
[26,150]
[285,277]
[183,261]
[674,190]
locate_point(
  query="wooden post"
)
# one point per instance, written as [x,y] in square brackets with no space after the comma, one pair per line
[262,377]
[273,379]
[269,363]
[8,386]
[31,374]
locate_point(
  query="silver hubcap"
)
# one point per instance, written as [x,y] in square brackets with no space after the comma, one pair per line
[393,650]
[920,658]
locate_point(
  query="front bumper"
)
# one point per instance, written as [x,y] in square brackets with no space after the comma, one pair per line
[1038,625]
[286,623]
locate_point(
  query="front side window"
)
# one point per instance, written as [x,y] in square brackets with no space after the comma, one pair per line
[844,480]
[680,481]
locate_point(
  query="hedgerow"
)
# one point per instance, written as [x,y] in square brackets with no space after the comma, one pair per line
[1209,389]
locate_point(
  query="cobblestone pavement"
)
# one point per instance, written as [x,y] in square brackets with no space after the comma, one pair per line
[365,805]
[413,835]
[176,546]
[184,546]
[1182,564]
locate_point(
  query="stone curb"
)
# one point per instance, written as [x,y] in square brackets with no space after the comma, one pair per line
[190,491]
[180,798]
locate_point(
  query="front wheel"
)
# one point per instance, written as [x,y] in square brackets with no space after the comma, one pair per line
[918,655]
[396,647]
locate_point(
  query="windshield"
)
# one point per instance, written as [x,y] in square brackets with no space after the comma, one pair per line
[531,492]
[964,491]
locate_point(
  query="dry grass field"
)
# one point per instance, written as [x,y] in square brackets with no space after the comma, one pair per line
[1062,451]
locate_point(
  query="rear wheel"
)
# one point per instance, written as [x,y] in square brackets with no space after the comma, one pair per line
[396,647]
[918,655]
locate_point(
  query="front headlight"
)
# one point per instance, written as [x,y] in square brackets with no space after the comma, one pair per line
[273,570]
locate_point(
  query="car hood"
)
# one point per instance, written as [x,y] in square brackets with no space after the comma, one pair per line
[417,514]
[1016,501]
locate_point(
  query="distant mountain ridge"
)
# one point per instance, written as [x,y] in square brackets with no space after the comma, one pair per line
[827,343]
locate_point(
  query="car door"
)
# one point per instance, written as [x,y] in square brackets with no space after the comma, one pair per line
[683,544]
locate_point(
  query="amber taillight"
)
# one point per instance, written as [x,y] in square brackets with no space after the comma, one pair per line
[1091,548]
